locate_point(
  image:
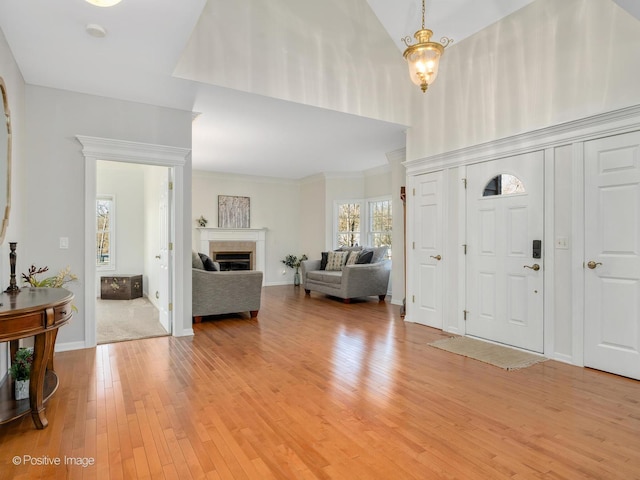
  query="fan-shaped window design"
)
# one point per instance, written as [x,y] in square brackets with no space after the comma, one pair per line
[503,184]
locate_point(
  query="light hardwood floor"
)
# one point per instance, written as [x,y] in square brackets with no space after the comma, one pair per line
[318,389]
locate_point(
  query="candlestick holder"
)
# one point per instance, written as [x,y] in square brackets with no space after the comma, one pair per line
[13,286]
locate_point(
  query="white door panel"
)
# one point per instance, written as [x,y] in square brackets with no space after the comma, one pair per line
[164,260]
[428,276]
[612,243]
[505,299]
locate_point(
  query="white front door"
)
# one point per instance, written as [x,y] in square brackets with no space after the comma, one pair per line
[612,254]
[164,260]
[504,269]
[427,250]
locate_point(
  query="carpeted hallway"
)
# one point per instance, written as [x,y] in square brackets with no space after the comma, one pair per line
[120,320]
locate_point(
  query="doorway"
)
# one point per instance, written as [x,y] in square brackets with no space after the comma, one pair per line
[505,223]
[95,149]
[132,249]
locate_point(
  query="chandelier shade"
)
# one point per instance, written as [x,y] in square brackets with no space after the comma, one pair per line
[423,57]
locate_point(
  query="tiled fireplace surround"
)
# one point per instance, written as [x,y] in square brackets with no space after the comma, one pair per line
[228,240]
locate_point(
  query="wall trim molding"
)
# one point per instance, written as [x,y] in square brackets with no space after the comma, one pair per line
[132,152]
[604,124]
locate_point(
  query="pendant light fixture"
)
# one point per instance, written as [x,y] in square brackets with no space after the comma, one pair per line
[423,57]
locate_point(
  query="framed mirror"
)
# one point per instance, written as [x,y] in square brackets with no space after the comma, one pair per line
[5,162]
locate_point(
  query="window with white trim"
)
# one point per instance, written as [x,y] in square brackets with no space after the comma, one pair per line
[105,232]
[380,223]
[348,224]
[356,224]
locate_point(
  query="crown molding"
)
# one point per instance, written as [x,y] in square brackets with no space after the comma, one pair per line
[604,124]
[244,177]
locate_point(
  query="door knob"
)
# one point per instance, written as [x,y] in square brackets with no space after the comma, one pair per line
[158,257]
[535,267]
[593,264]
[437,257]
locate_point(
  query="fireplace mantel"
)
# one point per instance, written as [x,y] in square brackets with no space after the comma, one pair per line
[257,235]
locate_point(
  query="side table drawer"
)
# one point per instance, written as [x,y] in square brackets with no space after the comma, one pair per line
[121,287]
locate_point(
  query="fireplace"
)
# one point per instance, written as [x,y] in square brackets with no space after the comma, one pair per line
[234,261]
[239,247]
[233,254]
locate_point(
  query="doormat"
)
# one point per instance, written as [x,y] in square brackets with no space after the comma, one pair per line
[497,355]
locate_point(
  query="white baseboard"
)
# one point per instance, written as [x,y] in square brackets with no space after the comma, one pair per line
[186,332]
[65,347]
[273,284]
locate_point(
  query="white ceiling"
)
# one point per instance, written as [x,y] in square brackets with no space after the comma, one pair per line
[238,130]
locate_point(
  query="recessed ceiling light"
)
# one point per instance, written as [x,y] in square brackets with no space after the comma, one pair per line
[96,30]
[104,3]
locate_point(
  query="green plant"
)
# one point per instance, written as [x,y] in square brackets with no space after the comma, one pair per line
[20,369]
[202,221]
[292,261]
[63,277]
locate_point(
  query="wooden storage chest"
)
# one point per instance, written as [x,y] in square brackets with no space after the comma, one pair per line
[121,287]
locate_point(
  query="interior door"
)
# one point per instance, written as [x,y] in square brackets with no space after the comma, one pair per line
[164,254]
[427,250]
[612,249]
[504,266]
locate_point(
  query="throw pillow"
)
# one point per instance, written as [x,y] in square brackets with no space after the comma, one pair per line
[353,257]
[209,265]
[335,261]
[365,257]
[196,262]
[379,253]
[323,260]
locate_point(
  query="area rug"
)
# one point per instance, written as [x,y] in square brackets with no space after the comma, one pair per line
[497,355]
[120,320]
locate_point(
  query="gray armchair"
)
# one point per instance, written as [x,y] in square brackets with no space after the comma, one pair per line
[216,293]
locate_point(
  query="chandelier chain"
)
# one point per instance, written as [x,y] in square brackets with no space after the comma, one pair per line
[422,14]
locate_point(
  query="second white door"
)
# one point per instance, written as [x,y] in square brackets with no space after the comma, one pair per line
[504,251]
[612,247]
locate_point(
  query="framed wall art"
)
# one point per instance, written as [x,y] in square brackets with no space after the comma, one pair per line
[233,212]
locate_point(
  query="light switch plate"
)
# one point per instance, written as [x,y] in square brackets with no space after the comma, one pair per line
[64,242]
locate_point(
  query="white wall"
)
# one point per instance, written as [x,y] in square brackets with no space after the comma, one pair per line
[377,182]
[56,193]
[398,180]
[313,212]
[274,204]
[16,97]
[126,182]
[550,62]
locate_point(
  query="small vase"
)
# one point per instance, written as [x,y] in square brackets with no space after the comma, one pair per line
[296,279]
[22,389]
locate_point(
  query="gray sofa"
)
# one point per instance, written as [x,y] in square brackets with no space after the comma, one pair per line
[353,281]
[216,293]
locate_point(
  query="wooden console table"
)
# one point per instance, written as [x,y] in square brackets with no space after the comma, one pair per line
[38,313]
